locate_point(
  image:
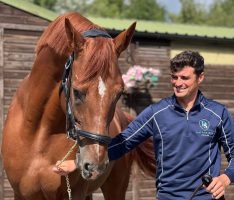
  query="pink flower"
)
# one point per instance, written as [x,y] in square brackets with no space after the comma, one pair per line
[138,76]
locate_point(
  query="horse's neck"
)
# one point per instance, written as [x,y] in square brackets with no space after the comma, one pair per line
[42,100]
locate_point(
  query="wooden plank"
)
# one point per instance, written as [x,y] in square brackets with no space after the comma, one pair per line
[135,182]
[1,107]
[19,37]
[23,27]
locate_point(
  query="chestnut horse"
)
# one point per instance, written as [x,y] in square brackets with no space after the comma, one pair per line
[81,101]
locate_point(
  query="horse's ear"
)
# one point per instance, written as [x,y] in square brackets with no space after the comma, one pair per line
[74,38]
[124,38]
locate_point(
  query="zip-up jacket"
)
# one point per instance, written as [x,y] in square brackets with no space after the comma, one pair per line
[186,144]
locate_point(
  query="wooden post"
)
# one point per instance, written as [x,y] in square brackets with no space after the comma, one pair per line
[135,182]
[1,109]
[135,173]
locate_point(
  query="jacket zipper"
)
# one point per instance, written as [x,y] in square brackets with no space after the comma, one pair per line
[187,119]
[187,113]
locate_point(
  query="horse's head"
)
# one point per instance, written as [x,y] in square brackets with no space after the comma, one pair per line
[93,88]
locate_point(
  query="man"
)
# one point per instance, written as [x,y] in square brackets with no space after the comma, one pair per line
[187,131]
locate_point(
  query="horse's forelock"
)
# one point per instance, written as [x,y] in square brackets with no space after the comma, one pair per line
[98,59]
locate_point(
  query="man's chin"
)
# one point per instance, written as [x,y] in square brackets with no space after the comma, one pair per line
[180,94]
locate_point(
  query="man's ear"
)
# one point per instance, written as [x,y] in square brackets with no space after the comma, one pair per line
[74,38]
[124,38]
[201,77]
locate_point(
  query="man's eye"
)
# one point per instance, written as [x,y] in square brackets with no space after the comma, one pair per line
[174,77]
[184,78]
[79,96]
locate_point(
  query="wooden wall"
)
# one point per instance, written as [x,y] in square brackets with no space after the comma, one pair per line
[19,32]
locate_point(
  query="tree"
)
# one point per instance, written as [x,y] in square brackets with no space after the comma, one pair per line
[63,6]
[221,13]
[45,3]
[144,9]
[137,9]
[106,8]
[191,12]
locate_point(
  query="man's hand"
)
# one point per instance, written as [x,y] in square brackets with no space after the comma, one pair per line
[218,185]
[65,168]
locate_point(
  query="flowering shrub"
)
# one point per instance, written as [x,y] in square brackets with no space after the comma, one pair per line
[141,77]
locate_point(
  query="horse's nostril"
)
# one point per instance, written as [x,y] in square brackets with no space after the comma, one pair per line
[87,166]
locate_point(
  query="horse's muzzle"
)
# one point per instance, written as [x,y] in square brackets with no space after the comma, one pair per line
[92,171]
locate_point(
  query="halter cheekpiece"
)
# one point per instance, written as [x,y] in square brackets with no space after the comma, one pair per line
[73,131]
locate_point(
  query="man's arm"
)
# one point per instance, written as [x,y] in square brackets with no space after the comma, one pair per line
[219,184]
[227,141]
[137,132]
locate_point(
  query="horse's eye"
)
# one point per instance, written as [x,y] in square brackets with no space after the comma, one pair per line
[79,96]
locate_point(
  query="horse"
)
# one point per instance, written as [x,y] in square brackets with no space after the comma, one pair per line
[78,101]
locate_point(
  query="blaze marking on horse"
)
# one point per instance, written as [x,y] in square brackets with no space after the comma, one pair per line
[101,87]
[101,91]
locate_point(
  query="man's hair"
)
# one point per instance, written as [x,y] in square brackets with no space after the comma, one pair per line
[187,58]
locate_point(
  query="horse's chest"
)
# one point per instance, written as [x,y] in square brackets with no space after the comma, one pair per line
[39,178]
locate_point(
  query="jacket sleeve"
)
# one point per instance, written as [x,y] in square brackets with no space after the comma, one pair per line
[137,132]
[227,139]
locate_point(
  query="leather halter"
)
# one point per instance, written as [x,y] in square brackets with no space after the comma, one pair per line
[73,131]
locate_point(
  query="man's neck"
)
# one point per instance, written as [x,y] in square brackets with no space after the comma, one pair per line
[187,103]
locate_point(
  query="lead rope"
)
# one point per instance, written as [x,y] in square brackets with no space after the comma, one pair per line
[66,176]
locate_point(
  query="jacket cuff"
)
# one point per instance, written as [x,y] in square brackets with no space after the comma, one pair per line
[230,174]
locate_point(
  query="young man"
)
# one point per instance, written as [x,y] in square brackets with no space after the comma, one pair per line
[187,131]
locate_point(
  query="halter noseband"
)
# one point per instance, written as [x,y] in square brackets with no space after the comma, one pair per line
[73,131]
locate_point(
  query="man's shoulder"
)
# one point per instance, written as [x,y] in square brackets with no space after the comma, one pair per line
[213,103]
[162,104]
[214,106]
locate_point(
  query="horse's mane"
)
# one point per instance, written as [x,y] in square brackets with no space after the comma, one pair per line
[55,38]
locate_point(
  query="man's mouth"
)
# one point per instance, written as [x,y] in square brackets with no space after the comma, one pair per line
[180,89]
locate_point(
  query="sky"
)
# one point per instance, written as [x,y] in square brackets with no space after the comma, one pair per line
[174,5]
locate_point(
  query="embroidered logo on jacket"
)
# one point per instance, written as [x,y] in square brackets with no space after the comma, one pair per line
[204,124]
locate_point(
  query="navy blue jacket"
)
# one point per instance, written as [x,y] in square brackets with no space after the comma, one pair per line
[186,144]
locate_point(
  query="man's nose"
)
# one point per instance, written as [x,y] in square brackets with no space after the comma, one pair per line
[178,82]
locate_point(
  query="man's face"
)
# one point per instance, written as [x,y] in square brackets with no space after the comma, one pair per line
[185,83]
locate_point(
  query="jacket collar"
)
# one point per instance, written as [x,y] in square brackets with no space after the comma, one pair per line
[199,100]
